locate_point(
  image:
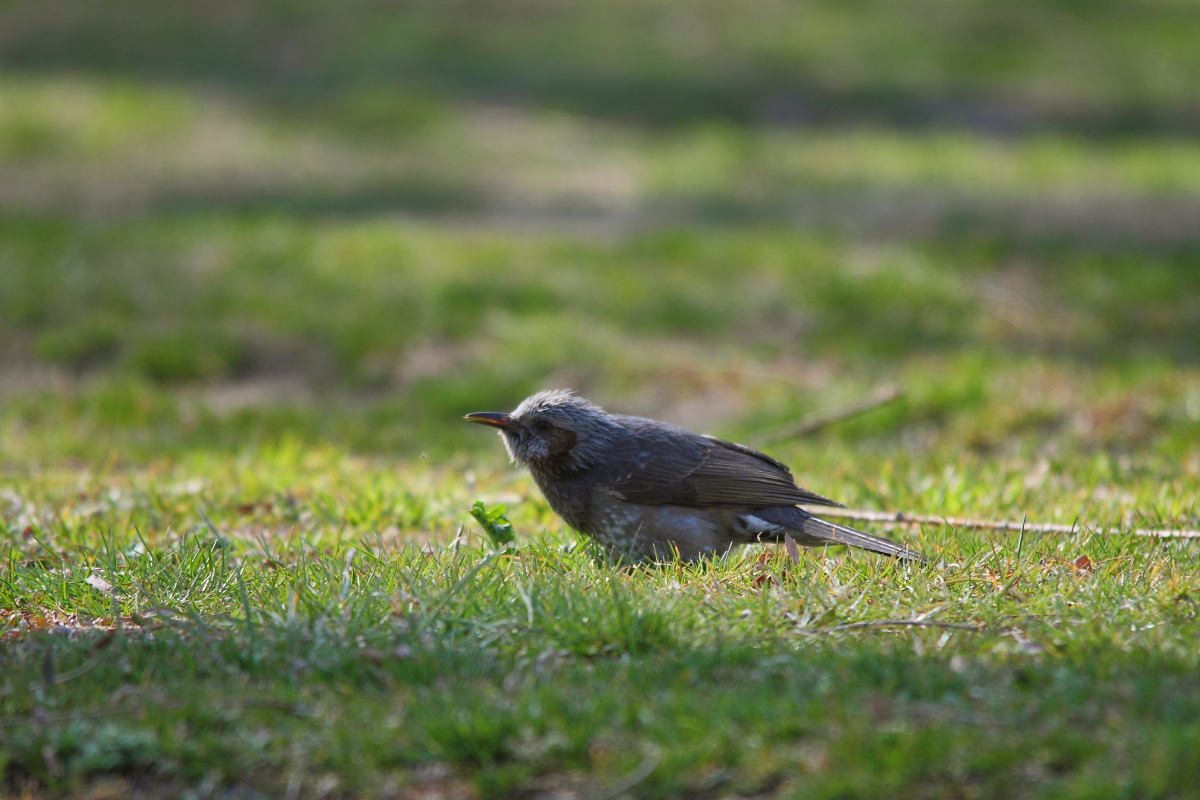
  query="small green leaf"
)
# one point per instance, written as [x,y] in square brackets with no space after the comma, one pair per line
[494,524]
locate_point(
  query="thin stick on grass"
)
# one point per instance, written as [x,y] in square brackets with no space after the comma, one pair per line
[901,623]
[879,397]
[903,519]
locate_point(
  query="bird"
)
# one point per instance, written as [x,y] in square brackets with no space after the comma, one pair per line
[651,491]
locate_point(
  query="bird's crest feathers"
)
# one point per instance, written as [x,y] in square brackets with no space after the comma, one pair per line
[554,399]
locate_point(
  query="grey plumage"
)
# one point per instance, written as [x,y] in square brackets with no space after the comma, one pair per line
[650,490]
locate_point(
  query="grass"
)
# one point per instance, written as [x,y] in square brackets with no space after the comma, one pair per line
[329,651]
[254,266]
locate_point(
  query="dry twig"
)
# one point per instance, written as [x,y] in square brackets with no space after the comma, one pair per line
[880,397]
[902,623]
[902,519]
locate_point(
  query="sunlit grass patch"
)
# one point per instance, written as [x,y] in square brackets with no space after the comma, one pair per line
[766,166]
[81,118]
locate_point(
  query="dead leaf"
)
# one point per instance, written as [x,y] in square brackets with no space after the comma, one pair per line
[1083,564]
[761,562]
[98,583]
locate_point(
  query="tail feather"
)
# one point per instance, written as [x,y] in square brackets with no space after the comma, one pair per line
[840,534]
[816,532]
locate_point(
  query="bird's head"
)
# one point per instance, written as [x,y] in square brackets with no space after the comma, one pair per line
[552,432]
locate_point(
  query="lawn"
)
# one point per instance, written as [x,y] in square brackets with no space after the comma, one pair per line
[257,260]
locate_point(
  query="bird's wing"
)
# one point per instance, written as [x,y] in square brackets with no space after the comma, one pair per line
[664,465]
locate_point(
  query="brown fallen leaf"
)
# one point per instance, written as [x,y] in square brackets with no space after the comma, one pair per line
[1083,564]
[761,562]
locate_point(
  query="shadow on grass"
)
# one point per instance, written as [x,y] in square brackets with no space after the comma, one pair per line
[915,64]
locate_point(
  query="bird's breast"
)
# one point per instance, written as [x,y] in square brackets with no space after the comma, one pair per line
[570,497]
[632,529]
[659,532]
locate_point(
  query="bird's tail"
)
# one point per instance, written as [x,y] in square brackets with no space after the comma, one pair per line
[815,532]
[833,533]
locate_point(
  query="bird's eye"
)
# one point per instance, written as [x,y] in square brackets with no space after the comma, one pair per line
[542,425]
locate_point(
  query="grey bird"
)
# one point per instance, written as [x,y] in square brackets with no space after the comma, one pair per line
[648,490]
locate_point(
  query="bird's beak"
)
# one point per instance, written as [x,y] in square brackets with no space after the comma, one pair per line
[497,419]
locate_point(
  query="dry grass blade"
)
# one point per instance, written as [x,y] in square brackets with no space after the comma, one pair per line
[639,774]
[793,550]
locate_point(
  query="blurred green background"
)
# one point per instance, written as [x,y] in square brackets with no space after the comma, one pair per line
[223,224]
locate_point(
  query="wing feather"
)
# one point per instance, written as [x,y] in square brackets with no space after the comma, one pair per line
[663,465]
